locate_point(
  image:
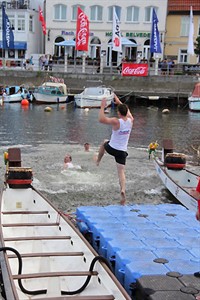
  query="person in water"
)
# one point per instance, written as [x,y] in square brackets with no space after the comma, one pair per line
[87,147]
[117,145]
[68,162]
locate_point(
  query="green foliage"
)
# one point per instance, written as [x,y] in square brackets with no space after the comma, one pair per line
[197,45]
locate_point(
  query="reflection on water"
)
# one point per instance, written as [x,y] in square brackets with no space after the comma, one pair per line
[65,124]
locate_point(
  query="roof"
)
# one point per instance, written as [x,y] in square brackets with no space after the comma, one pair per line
[196,91]
[183,5]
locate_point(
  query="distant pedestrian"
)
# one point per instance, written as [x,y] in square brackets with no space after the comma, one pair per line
[46,63]
[50,62]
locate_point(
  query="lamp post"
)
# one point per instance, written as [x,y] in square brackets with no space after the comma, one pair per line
[101,63]
[156,64]
[83,63]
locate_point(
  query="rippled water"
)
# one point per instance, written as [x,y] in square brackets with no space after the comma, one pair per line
[45,137]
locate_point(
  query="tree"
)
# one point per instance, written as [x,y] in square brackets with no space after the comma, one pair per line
[197,49]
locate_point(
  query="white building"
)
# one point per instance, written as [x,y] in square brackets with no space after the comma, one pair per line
[135,25]
[23,16]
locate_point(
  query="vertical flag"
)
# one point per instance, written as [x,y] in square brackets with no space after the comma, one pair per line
[116,34]
[82,31]
[190,49]
[42,20]
[155,37]
[7,33]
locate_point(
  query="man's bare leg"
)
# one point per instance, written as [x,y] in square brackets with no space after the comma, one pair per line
[122,182]
[101,153]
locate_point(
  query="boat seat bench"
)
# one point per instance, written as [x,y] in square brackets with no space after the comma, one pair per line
[30,238]
[88,297]
[47,254]
[30,224]
[55,274]
[25,212]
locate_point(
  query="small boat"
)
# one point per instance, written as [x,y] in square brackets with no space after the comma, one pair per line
[183,184]
[91,97]
[43,254]
[194,99]
[15,94]
[51,93]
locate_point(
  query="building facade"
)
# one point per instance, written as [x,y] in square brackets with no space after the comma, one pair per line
[135,26]
[177,30]
[23,16]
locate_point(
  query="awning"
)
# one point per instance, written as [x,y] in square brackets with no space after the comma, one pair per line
[68,43]
[17,45]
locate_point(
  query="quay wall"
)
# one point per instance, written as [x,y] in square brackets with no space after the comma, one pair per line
[174,86]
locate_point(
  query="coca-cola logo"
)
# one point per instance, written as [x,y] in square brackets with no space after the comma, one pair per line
[134,71]
[83,31]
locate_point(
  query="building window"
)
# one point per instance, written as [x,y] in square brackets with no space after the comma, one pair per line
[11,53]
[31,23]
[110,13]
[185,21]
[132,14]
[60,12]
[183,56]
[12,21]
[21,53]
[96,13]
[21,23]
[148,13]
[74,11]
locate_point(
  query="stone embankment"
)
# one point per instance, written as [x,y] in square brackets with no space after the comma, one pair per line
[175,86]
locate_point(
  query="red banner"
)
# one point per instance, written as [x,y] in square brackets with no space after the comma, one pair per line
[132,69]
[42,20]
[82,31]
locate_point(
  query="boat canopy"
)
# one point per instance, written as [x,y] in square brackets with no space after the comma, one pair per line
[196,91]
[55,85]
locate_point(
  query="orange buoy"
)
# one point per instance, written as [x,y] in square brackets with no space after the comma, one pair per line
[24,102]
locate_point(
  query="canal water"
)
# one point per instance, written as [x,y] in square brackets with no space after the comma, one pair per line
[45,138]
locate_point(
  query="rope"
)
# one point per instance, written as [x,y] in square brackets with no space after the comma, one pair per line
[95,259]
[25,291]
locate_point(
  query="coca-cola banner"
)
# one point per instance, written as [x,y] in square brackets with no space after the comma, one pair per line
[82,31]
[132,69]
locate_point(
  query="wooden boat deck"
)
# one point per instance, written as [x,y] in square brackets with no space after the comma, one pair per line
[53,252]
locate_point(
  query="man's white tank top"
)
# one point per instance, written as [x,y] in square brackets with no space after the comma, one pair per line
[119,138]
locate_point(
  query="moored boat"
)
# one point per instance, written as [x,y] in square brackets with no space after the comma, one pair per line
[182,183]
[44,256]
[91,97]
[14,94]
[51,92]
[194,99]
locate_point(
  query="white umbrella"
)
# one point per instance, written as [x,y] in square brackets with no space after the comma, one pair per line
[68,43]
[126,42]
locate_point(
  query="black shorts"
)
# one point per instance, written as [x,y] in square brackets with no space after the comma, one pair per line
[120,156]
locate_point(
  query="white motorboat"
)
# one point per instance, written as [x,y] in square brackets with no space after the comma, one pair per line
[51,93]
[14,94]
[183,184]
[91,97]
[43,254]
[194,99]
